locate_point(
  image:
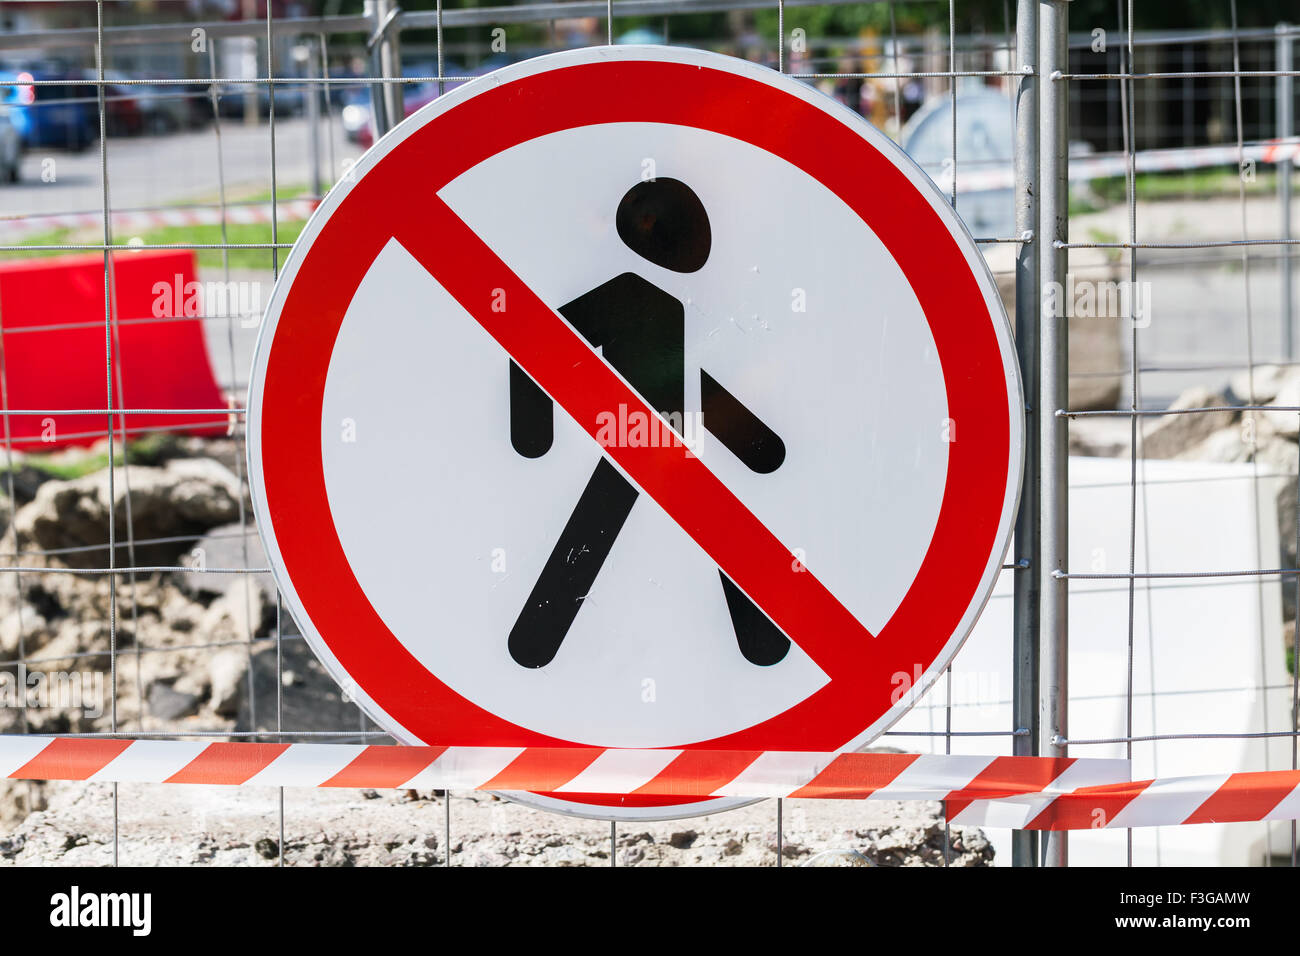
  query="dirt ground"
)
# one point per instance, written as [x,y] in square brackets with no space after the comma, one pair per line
[180,825]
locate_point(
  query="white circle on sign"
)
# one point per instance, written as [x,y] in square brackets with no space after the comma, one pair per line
[816,333]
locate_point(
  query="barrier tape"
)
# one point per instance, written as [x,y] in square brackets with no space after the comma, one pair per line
[1034,793]
[1169,801]
[981,176]
[136,221]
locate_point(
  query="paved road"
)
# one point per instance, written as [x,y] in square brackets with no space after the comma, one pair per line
[1204,327]
[160,170]
[1203,301]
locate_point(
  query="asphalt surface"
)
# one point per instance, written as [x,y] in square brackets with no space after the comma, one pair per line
[165,170]
[1212,311]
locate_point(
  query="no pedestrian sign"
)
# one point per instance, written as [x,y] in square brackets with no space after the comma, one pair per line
[635,397]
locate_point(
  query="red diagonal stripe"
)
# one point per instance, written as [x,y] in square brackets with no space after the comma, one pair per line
[558,359]
[855,776]
[381,766]
[1007,777]
[543,768]
[1246,796]
[71,758]
[228,764]
[698,773]
[1087,808]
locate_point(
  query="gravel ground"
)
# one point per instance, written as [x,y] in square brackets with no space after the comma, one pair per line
[190,825]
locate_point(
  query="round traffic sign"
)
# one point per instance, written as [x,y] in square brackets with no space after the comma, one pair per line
[635,397]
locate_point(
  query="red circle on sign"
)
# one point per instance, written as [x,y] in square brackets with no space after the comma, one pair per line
[390,199]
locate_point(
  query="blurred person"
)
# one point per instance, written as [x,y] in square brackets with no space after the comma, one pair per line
[849,90]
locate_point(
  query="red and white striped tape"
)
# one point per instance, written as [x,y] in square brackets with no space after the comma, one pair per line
[1037,793]
[1213,798]
[691,773]
[130,222]
[976,177]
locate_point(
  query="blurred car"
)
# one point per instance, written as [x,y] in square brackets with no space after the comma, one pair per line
[356,114]
[122,114]
[290,100]
[11,147]
[341,92]
[64,116]
[641,36]
[357,124]
[985,133]
[166,108]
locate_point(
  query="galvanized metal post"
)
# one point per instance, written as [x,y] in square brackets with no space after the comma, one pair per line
[248,66]
[1053,394]
[386,99]
[1024,669]
[313,95]
[1285,129]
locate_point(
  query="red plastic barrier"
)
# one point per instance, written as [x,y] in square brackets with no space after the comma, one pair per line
[161,359]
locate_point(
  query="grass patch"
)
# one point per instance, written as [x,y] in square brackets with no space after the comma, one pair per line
[235,234]
[1208,183]
[179,235]
[233,195]
[54,237]
[151,449]
[76,468]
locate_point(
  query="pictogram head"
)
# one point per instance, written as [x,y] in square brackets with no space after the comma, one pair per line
[664,221]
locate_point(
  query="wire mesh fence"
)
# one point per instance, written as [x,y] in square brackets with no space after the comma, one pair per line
[201,136]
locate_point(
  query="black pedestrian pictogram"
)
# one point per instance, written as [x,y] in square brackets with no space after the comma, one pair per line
[640,330]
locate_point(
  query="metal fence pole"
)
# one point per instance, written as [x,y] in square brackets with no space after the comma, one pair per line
[386,99]
[1053,395]
[1285,129]
[1024,843]
[248,66]
[313,97]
